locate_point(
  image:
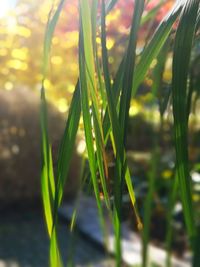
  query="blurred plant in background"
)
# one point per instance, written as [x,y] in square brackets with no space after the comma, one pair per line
[21,39]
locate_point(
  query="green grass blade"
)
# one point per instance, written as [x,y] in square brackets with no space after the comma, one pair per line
[116,89]
[89,53]
[88,133]
[148,206]
[152,13]
[47,166]
[129,68]
[94,22]
[197,21]
[169,231]
[68,141]
[100,160]
[154,46]
[183,46]
[109,5]
[150,52]
[116,130]
[121,164]
[159,69]
[86,86]
[47,176]
[67,145]
[51,25]
[55,257]
[157,76]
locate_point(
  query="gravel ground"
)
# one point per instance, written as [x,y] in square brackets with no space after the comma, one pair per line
[24,243]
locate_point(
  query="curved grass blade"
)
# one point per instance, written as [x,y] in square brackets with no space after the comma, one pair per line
[150,52]
[129,68]
[158,89]
[55,257]
[192,84]
[67,144]
[47,179]
[155,44]
[94,22]
[183,46]
[116,130]
[151,14]
[87,81]
[66,147]
[91,85]
[47,169]
[148,205]
[51,25]
[169,231]
[68,140]
[109,5]
[121,164]
[88,134]
[198,21]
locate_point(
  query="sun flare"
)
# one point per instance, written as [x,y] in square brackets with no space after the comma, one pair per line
[6,6]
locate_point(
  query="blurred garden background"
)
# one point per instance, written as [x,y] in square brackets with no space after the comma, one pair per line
[150,151]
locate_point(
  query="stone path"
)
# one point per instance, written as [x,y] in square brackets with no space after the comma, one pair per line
[88,224]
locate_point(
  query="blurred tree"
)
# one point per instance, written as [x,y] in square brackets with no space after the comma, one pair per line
[21,42]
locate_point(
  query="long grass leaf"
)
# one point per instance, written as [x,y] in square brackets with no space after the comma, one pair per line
[155,44]
[116,130]
[152,13]
[129,68]
[148,206]
[85,83]
[183,46]
[55,257]
[169,232]
[51,25]
[47,176]
[121,163]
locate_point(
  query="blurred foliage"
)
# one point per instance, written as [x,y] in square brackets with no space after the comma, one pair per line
[21,41]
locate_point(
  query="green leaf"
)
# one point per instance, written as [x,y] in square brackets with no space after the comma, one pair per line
[55,257]
[151,13]
[121,163]
[154,46]
[129,66]
[47,179]
[51,25]
[183,46]
[67,144]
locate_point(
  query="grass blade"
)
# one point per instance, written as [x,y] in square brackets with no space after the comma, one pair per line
[88,89]
[129,68]
[47,181]
[183,46]
[121,163]
[152,13]
[88,133]
[51,25]
[154,46]
[148,205]
[47,177]
[169,231]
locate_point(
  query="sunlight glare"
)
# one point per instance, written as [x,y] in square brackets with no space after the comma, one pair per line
[6,6]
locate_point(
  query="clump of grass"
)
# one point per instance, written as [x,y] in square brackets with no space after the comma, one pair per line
[93,87]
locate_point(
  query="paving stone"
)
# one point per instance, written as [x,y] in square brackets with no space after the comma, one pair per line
[88,224]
